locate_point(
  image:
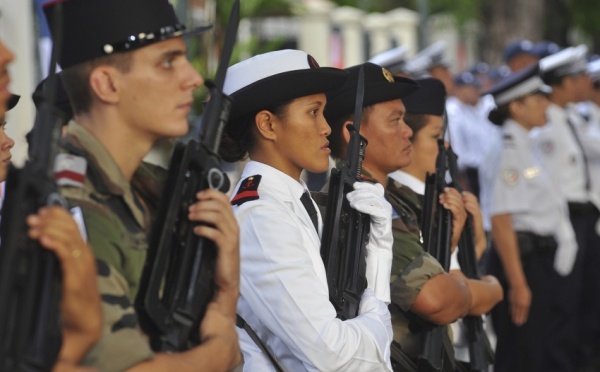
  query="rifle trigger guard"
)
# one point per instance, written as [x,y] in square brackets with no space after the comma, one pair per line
[216,178]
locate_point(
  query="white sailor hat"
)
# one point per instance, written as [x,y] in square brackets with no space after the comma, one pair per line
[428,58]
[569,61]
[393,59]
[519,84]
[593,70]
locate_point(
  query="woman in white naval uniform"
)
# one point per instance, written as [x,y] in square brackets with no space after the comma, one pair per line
[277,119]
[532,235]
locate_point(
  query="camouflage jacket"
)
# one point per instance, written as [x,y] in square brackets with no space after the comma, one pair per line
[116,221]
[411,266]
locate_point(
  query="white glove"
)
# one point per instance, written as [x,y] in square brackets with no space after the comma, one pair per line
[566,253]
[369,198]
[376,317]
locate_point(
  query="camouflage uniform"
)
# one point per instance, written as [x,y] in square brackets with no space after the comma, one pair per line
[412,267]
[117,224]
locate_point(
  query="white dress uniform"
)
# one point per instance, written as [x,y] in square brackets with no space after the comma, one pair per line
[470,132]
[589,135]
[283,287]
[518,185]
[561,156]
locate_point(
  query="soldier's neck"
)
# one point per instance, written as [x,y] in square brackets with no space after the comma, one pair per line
[124,145]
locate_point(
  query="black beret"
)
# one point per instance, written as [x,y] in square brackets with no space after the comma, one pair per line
[429,99]
[380,86]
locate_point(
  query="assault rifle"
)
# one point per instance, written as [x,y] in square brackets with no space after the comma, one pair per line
[481,354]
[177,280]
[346,231]
[437,353]
[30,333]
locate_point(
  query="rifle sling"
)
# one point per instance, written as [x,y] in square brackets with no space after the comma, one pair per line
[400,361]
[241,323]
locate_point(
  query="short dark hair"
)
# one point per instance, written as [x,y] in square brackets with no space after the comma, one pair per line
[76,79]
[236,146]
[336,139]
[416,122]
[499,115]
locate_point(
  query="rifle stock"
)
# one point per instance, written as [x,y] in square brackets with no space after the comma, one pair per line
[346,231]
[177,279]
[30,283]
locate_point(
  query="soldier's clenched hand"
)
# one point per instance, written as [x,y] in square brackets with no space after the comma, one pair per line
[213,210]
[81,313]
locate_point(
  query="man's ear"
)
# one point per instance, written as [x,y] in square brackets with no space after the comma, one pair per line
[346,132]
[265,123]
[104,84]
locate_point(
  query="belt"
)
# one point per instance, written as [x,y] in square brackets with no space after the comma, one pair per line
[532,244]
[577,209]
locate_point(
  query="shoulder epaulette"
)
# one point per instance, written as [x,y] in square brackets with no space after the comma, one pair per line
[69,170]
[248,190]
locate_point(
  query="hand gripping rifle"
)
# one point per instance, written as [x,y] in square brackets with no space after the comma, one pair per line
[30,333]
[437,352]
[346,231]
[481,354]
[177,280]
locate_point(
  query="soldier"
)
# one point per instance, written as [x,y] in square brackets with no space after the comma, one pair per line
[431,62]
[468,131]
[424,115]
[562,153]
[419,284]
[56,231]
[519,54]
[277,121]
[533,239]
[130,84]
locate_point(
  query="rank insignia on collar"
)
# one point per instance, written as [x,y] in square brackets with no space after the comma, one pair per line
[69,170]
[248,190]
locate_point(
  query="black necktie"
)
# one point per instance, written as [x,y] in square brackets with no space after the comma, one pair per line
[585,162]
[310,208]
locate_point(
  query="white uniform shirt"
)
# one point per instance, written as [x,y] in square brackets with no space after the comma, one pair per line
[515,183]
[470,132]
[560,154]
[589,135]
[283,287]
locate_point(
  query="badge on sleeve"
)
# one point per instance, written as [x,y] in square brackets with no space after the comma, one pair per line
[69,170]
[248,190]
[510,176]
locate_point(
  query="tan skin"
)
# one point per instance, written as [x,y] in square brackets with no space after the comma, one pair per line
[443,74]
[6,143]
[445,297]
[149,102]
[529,112]
[80,308]
[521,61]
[296,141]
[486,292]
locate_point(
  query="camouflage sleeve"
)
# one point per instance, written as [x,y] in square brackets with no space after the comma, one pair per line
[411,267]
[122,344]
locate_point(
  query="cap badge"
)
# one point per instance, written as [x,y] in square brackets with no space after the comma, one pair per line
[388,75]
